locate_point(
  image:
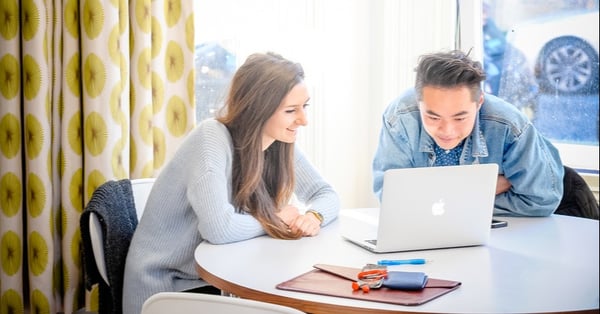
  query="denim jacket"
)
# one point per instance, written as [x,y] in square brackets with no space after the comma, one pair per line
[501,135]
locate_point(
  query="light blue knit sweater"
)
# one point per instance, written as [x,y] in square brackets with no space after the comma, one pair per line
[191,202]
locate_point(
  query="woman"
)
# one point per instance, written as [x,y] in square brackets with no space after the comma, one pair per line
[231,180]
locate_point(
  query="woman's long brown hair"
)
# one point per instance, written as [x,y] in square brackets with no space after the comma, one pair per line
[262,181]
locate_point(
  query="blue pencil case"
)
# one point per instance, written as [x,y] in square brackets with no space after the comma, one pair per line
[405,280]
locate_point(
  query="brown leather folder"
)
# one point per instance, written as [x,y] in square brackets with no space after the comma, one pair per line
[337,281]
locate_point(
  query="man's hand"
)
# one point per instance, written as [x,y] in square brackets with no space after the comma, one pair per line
[502,185]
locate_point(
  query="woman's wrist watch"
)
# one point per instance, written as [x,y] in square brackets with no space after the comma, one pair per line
[317,214]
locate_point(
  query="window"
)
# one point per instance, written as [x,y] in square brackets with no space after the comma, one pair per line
[358,55]
[544,60]
[227,31]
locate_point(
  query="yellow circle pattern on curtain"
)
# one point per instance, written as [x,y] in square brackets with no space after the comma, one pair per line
[40,210]
[11,179]
[101,90]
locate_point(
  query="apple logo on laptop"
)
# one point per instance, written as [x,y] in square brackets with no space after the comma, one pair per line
[437,209]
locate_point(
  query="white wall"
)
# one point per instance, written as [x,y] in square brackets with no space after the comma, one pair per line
[350,96]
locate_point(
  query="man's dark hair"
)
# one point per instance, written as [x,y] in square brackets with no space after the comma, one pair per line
[449,70]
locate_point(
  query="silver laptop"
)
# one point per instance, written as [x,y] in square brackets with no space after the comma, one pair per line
[427,208]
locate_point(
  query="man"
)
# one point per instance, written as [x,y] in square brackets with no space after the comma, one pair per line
[448,120]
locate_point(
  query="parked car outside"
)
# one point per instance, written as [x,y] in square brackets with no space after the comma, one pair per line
[562,51]
[507,72]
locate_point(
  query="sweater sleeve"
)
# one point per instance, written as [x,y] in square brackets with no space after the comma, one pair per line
[218,221]
[209,190]
[314,191]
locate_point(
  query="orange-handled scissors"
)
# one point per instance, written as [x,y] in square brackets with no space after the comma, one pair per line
[373,274]
[369,279]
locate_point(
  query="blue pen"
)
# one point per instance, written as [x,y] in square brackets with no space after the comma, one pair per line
[389,262]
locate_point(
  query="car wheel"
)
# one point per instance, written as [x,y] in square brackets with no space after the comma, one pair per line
[568,65]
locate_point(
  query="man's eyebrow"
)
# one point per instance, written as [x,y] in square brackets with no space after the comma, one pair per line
[431,113]
[461,113]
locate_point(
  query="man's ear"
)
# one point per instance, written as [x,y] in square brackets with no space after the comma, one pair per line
[480,101]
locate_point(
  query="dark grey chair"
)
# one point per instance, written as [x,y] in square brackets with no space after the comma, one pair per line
[578,199]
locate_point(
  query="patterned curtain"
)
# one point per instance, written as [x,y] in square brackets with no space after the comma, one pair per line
[90,91]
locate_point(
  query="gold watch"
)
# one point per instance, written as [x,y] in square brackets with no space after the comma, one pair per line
[317,214]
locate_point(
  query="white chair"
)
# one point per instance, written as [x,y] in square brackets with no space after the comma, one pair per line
[189,302]
[141,189]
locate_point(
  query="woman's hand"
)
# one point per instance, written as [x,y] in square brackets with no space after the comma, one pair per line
[288,213]
[308,224]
